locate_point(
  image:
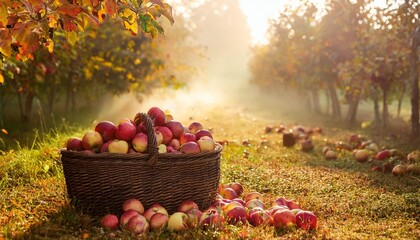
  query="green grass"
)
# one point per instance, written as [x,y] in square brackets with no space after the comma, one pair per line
[350,200]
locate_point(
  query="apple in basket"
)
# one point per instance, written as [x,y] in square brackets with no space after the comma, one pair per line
[206,144]
[118,146]
[106,129]
[190,147]
[194,127]
[157,115]
[140,142]
[92,140]
[74,144]
[176,128]
[125,131]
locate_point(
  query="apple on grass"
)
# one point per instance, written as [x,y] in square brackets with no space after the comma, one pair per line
[306,220]
[254,203]
[138,225]
[228,193]
[178,222]
[106,129]
[239,200]
[118,146]
[330,154]
[292,205]
[226,208]
[211,218]
[74,144]
[158,221]
[92,140]
[237,214]
[125,131]
[276,208]
[157,115]
[284,219]
[361,155]
[206,144]
[253,195]
[155,208]
[126,216]
[239,189]
[134,204]
[194,215]
[140,142]
[109,222]
[261,217]
[187,205]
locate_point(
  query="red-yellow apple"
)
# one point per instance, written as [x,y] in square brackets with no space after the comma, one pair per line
[206,144]
[186,206]
[284,219]
[229,193]
[195,215]
[194,127]
[157,116]
[175,144]
[126,216]
[306,220]
[237,214]
[211,218]
[166,133]
[255,203]
[140,142]
[158,221]
[187,137]
[253,195]
[258,218]
[176,128]
[92,140]
[361,155]
[178,221]
[155,208]
[190,147]
[239,189]
[134,204]
[203,132]
[109,222]
[138,225]
[159,137]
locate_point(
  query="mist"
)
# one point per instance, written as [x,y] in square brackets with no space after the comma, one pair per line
[222,81]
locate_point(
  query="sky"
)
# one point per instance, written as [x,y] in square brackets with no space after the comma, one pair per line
[258,14]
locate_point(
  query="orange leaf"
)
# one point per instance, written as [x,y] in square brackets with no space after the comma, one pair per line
[4,131]
[111,7]
[69,9]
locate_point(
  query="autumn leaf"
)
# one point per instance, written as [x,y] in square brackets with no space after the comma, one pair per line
[5,41]
[3,12]
[167,12]
[129,18]
[111,7]
[69,9]
[68,24]
[1,78]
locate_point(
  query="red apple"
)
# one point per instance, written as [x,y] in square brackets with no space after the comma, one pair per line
[118,146]
[239,189]
[206,144]
[203,132]
[229,193]
[109,222]
[141,128]
[382,155]
[306,145]
[194,127]
[195,215]
[158,221]
[125,131]
[74,144]
[104,147]
[226,208]
[126,216]
[187,137]
[157,116]
[140,142]
[92,140]
[106,129]
[178,221]
[276,208]
[134,204]
[186,206]
[361,155]
[253,195]
[399,170]
[284,219]
[138,225]
[176,128]
[258,218]
[239,200]
[155,208]
[211,218]
[166,133]
[280,201]
[306,220]
[189,147]
[292,205]
[236,215]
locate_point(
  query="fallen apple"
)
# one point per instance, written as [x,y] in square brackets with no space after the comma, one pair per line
[252,195]
[158,221]
[126,216]
[134,204]
[109,222]
[195,215]
[399,170]
[155,208]
[361,155]
[138,225]
[239,189]
[259,218]
[228,193]
[236,215]
[211,218]
[254,203]
[382,155]
[178,221]
[284,219]
[330,155]
[306,220]
[186,206]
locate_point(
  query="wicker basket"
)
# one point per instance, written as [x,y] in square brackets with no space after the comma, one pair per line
[98,183]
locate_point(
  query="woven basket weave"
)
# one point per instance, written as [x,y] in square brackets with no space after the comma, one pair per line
[97,184]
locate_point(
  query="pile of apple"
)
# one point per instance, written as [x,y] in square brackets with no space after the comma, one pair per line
[129,136]
[227,208]
[385,159]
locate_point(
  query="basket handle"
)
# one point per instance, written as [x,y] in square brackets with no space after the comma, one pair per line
[152,148]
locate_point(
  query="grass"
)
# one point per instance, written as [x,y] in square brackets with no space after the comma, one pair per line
[350,200]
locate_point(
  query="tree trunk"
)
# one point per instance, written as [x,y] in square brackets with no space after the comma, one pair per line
[28,107]
[385,120]
[316,102]
[352,111]
[414,84]
[400,100]
[336,110]
[328,103]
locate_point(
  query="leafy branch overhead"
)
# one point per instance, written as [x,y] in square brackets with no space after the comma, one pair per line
[27,25]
